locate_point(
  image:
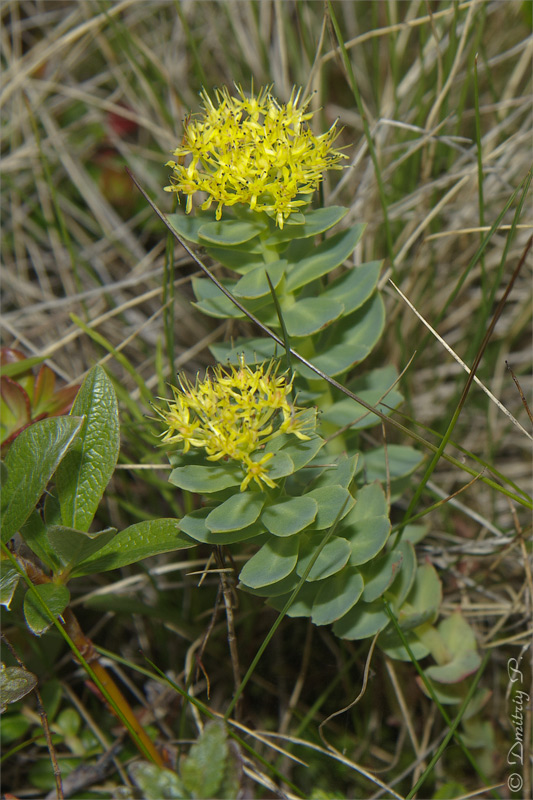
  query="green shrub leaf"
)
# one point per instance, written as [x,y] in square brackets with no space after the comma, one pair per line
[157,783]
[31,461]
[203,770]
[15,683]
[9,578]
[88,466]
[72,546]
[354,287]
[142,540]
[34,534]
[56,598]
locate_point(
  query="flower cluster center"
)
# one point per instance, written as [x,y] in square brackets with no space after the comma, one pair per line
[232,414]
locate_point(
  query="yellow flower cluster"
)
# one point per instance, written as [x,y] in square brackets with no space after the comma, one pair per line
[232,415]
[252,151]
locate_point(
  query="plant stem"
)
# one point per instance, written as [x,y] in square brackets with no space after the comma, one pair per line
[88,652]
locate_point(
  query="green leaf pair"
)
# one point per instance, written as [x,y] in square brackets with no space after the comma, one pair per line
[81,452]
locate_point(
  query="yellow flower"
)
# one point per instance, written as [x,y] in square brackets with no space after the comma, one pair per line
[253,151]
[232,414]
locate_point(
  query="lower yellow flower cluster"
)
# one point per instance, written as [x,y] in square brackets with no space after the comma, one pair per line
[232,414]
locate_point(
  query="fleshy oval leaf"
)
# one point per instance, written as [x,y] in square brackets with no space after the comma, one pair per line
[273,562]
[332,502]
[332,556]
[289,515]
[336,596]
[237,512]
[194,525]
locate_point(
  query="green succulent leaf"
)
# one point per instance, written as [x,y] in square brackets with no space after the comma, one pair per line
[31,461]
[310,315]
[229,232]
[374,386]
[87,468]
[302,605]
[350,341]
[255,351]
[285,586]
[255,284]
[55,596]
[188,226]
[405,578]
[332,556]
[379,573]
[362,621]
[236,513]
[299,452]
[341,474]
[392,645]
[424,599]
[394,462]
[332,501]
[273,562]
[460,643]
[354,287]
[12,369]
[135,543]
[336,596]
[326,257]
[289,515]
[367,526]
[206,479]
[316,221]
[238,258]
[194,525]
[212,301]
[463,665]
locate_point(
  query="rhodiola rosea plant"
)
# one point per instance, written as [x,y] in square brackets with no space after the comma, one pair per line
[292,487]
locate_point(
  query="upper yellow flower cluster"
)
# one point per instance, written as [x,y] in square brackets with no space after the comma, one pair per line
[252,151]
[231,415]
